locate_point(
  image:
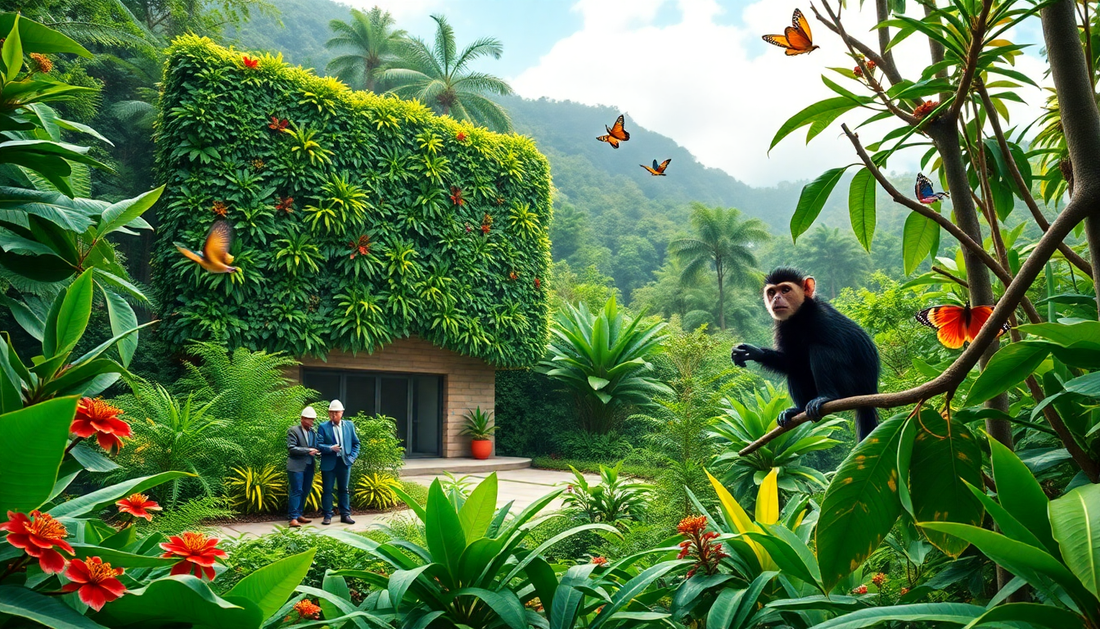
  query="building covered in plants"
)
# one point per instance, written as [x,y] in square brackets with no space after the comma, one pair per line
[398,254]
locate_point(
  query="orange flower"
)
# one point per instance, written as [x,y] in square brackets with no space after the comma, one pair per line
[903,591]
[860,590]
[692,525]
[198,554]
[219,208]
[461,137]
[38,535]
[706,552]
[361,247]
[278,125]
[42,63]
[538,283]
[285,204]
[858,71]
[599,561]
[878,579]
[249,62]
[486,223]
[871,66]
[95,581]
[456,196]
[512,276]
[96,417]
[925,108]
[306,609]
[138,505]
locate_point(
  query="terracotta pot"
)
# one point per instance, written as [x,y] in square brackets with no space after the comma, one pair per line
[482,448]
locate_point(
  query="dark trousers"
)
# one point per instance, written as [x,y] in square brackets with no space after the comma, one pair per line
[301,483]
[340,475]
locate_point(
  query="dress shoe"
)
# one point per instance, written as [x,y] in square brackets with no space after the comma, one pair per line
[294,524]
[327,520]
[346,519]
[304,520]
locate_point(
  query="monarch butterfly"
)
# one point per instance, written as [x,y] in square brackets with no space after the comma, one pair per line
[658,169]
[277,125]
[955,325]
[925,192]
[615,133]
[796,39]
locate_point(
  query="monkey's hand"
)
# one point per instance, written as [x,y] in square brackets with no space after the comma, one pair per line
[786,416]
[813,408]
[744,353]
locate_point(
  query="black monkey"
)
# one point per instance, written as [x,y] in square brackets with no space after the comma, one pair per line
[825,355]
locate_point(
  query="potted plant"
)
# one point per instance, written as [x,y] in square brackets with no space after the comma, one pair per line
[480,432]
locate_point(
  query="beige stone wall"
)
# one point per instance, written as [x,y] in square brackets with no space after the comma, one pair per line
[467,382]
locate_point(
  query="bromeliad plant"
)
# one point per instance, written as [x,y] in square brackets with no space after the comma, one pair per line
[611,500]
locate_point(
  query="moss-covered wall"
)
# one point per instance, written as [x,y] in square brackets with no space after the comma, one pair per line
[402,223]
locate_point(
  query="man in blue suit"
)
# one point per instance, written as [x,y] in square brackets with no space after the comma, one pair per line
[339,446]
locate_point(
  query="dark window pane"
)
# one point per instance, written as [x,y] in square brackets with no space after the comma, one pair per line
[326,383]
[360,392]
[395,403]
[426,417]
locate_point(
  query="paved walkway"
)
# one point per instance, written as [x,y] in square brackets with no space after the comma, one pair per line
[524,486]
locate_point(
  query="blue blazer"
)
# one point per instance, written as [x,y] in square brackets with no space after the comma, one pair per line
[326,438]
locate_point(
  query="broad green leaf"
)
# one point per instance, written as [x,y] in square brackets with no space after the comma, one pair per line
[75,311]
[1064,334]
[338,588]
[121,213]
[505,603]
[1008,367]
[829,108]
[812,200]
[791,555]
[767,499]
[1008,525]
[861,207]
[92,502]
[1030,614]
[270,586]
[945,458]
[181,599]
[861,503]
[739,519]
[921,613]
[122,559]
[478,510]
[1088,384]
[918,236]
[122,319]
[443,529]
[12,52]
[47,611]
[1020,494]
[733,607]
[38,38]
[38,435]
[1075,522]
[634,587]
[597,382]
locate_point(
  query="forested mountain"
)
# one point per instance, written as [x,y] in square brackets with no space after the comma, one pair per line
[299,31]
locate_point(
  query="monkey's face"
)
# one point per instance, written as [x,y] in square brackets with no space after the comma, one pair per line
[784,299]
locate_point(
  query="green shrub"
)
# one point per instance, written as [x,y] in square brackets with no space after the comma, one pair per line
[189,516]
[375,491]
[587,446]
[610,500]
[250,553]
[529,413]
[380,450]
[260,489]
[394,197]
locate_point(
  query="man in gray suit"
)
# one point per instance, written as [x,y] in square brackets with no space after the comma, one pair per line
[301,444]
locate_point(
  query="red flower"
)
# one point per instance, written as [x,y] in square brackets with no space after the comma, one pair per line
[860,590]
[456,196]
[925,108]
[278,125]
[485,229]
[599,561]
[198,554]
[96,417]
[461,137]
[219,208]
[42,63]
[692,525]
[38,535]
[95,581]
[858,71]
[468,228]
[538,283]
[306,609]
[706,552]
[903,591]
[249,62]
[486,223]
[138,505]
[361,247]
[512,276]
[878,579]
[285,204]
[871,66]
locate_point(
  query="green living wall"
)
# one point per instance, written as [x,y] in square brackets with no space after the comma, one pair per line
[363,220]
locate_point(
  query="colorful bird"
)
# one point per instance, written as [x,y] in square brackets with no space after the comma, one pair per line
[215,255]
[796,39]
[658,170]
[925,192]
[615,133]
[956,325]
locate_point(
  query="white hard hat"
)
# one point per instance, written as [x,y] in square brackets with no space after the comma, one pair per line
[309,412]
[335,405]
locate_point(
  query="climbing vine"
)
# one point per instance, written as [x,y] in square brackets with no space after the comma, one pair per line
[359,219]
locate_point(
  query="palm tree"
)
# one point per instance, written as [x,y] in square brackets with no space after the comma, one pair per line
[371,43]
[439,76]
[724,242]
[837,259]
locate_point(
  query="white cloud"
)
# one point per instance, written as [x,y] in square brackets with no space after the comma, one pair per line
[711,87]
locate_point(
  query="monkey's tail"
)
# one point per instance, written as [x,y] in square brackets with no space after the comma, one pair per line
[866,420]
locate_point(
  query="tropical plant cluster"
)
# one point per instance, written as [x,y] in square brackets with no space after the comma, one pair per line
[359,219]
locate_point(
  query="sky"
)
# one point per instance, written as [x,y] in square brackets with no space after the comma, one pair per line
[696,71]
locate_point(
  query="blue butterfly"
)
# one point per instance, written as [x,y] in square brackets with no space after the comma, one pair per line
[924,191]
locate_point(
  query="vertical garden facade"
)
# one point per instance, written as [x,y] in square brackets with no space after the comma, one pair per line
[401,255]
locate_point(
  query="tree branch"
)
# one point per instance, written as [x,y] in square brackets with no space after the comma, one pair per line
[977,39]
[888,68]
[949,380]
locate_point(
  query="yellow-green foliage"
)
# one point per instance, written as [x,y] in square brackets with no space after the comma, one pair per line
[257,490]
[384,237]
[375,491]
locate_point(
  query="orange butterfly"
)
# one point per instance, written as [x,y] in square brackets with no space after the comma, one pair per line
[955,325]
[658,169]
[796,39]
[615,134]
[249,62]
